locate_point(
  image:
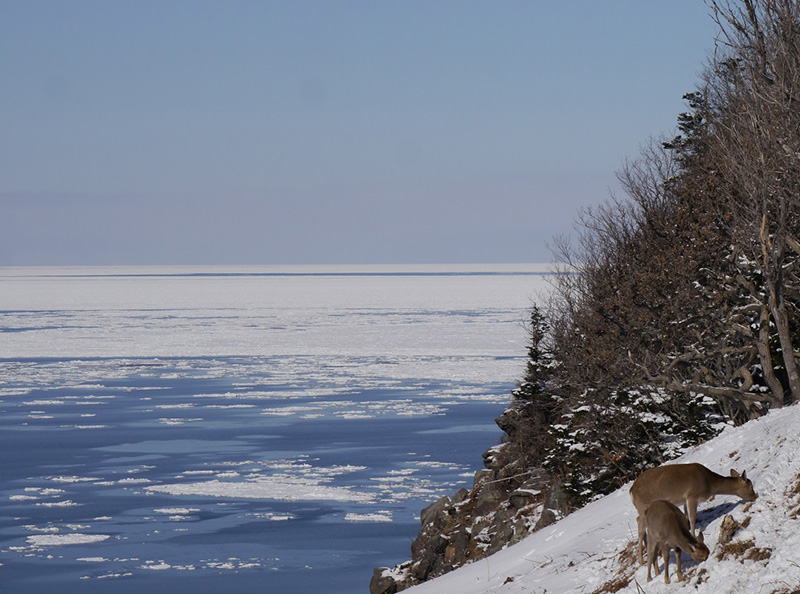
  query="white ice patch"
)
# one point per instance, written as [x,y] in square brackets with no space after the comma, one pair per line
[163,566]
[176,511]
[276,488]
[349,409]
[273,517]
[73,479]
[456,316]
[45,529]
[51,540]
[179,405]
[293,480]
[379,516]
[178,421]
[65,503]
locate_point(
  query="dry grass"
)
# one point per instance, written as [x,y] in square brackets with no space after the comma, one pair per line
[743,550]
[702,575]
[794,494]
[614,585]
[795,491]
[740,550]
[727,529]
[627,567]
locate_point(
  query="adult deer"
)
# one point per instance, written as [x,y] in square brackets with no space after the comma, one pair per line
[668,528]
[687,484]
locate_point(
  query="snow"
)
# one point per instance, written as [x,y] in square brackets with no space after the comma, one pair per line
[587,549]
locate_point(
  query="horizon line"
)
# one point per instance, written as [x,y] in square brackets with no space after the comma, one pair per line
[283,270]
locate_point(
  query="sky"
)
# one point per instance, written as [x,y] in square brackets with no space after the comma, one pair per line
[326,132]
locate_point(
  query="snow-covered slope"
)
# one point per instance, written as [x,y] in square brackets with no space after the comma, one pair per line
[592,548]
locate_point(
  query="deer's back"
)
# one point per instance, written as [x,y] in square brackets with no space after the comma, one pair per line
[667,524]
[673,482]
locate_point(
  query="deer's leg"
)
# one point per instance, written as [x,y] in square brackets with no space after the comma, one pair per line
[652,559]
[665,551]
[678,563]
[642,536]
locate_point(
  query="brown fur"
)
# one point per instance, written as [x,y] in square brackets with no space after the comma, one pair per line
[687,484]
[668,528]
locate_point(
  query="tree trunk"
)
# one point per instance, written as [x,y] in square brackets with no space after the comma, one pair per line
[781,320]
[774,251]
[765,357]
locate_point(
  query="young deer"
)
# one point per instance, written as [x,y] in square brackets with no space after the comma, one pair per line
[687,484]
[668,528]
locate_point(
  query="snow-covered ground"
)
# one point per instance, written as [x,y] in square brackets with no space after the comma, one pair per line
[589,550]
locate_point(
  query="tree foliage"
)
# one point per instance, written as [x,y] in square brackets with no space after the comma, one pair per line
[678,302]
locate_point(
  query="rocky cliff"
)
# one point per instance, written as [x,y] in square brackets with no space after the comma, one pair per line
[506,503]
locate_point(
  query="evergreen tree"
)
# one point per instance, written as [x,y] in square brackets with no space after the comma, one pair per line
[540,362]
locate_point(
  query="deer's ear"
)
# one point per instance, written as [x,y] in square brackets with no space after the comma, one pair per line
[734,474]
[744,475]
[700,538]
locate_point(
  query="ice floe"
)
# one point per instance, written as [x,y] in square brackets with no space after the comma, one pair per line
[378,516]
[51,540]
[276,488]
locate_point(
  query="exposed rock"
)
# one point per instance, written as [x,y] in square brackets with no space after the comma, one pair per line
[523,497]
[383,581]
[435,512]
[484,475]
[531,490]
[458,547]
[493,457]
[460,496]
[555,506]
[507,422]
[505,504]
[488,497]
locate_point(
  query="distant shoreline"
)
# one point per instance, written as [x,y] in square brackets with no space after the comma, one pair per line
[331,270]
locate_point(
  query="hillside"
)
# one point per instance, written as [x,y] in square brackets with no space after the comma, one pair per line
[591,550]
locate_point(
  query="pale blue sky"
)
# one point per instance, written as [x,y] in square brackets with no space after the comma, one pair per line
[298,131]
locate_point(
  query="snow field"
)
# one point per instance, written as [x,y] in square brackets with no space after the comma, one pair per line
[586,551]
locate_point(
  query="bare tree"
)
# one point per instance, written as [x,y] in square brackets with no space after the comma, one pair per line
[652,300]
[687,286]
[754,84]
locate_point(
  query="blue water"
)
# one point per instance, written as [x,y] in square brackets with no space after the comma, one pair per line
[88,442]
[272,431]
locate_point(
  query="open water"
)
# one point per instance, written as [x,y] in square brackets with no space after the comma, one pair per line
[250,430]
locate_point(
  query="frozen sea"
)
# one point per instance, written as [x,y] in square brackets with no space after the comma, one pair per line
[243,429]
